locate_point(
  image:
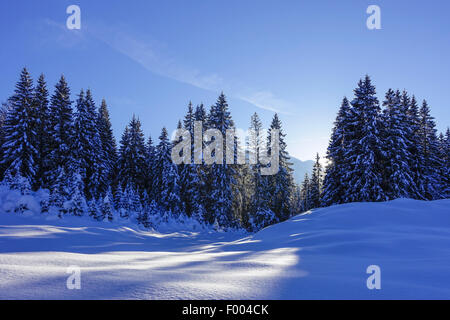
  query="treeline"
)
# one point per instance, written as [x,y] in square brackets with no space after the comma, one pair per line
[73,154]
[379,154]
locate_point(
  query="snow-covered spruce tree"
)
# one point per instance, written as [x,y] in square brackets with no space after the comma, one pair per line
[414,148]
[128,203]
[166,182]
[77,205]
[364,152]
[122,202]
[109,148]
[260,214]
[132,164]
[221,177]
[87,145]
[398,177]
[280,185]
[305,195]
[59,192]
[315,184]
[201,171]
[4,110]
[94,209]
[41,101]
[123,159]
[61,133]
[106,209]
[150,154]
[334,185]
[430,185]
[20,151]
[188,186]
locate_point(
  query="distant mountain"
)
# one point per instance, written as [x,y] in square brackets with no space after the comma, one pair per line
[300,168]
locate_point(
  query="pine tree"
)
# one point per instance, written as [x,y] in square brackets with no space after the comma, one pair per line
[166,182]
[150,155]
[305,194]
[429,148]
[88,146]
[364,152]
[315,185]
[335,185]
[20,152]
[414,148]
[61,133]
[109,148]
[280,185]
[94,209]
[132,162]
[221,177]
[122,203]
[398,177]
[77,205]
[60,191]
[260,214]
[106,210]
[201,171]
[5,109]
[189,183]
[42,131]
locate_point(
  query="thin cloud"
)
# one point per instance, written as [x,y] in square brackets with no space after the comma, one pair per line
[267,101]
[151,55]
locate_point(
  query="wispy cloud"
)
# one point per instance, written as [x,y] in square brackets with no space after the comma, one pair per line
[266,100]
[63,36]
[153,56]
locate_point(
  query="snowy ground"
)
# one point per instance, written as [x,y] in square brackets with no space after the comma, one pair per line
[316,256]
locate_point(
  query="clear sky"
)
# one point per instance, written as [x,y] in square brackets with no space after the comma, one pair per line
[298,58]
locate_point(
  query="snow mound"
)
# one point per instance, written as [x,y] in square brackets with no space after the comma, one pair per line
[323,254]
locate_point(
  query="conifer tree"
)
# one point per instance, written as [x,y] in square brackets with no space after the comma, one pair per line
[315,184]
[132,162]
[221,177]
[166,182]
[61,133]
[94,209]
[150,155]
[414,148]
[109,148]
[77,205]
[335,185]
[190,184]
[429,148]
[41,101]
[260,214]
[88,147]
[5,108]
[305,194]
[364,151]
[106,210]
[398,177]
[280,185]
[20,151]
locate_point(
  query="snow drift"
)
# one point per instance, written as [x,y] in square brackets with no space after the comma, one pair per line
[323,254]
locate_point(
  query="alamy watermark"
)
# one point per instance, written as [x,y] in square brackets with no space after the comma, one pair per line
[74,280]
[374,280]
[374,20]
[74,20]
[237,147]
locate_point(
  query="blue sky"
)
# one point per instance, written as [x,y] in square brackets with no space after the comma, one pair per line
[298,58]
